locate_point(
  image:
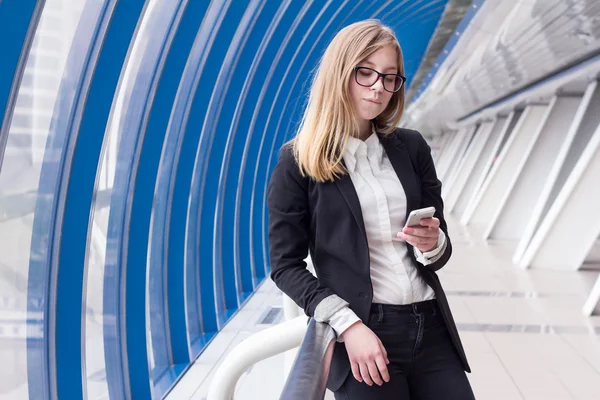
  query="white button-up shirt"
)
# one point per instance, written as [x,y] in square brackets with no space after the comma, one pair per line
[382,200]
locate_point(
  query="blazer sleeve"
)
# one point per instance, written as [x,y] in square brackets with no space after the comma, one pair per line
[431,194]
[289,234]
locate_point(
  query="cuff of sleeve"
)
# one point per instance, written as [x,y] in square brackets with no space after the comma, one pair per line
[327,307]
[432,256]
[342,320]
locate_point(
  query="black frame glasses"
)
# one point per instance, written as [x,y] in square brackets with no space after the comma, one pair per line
[379,75]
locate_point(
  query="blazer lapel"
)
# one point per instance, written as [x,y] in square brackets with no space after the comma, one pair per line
[347,189]
[400,159]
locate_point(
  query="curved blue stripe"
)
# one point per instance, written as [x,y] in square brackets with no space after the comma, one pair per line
[50,201]
[185,319]
[185,315]
[298,15]
[197,147]
[175,174]
[245,124]
[18,22]
[167,297]
[227,249]
[127,236]
[69,284]
[213,138]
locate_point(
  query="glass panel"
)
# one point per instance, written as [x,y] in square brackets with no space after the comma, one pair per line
[34,150]
[107,230]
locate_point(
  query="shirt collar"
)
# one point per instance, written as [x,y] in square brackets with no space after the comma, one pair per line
[371,145]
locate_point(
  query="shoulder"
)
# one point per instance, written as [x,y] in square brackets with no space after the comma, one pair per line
[287,166]
[286,153]
[410,136]
[413,139]
[286,160]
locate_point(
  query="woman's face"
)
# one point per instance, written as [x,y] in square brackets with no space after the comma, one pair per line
[369,102]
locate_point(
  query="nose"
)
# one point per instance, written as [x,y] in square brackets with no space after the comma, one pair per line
[378,85]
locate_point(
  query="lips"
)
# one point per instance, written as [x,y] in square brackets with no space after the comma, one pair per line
[373,101]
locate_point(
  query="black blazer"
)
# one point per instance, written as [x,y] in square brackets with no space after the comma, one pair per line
[326,219]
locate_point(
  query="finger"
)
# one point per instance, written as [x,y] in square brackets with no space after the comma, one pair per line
[432,222]
[356,371]
[374,372]
[364,372]
[410,238]
[383,351]
[422,232]
[420,241]
[382,367]
[407,238]
[422,244]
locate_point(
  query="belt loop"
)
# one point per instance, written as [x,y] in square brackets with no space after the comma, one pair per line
[379,312]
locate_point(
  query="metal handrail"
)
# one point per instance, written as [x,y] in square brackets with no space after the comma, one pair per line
[261,345]
[309,373]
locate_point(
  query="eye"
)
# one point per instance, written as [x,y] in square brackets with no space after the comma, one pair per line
[365,72]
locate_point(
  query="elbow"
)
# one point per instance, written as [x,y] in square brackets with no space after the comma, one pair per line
[276,276]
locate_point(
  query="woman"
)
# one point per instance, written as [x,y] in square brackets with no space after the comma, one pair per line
[342,189]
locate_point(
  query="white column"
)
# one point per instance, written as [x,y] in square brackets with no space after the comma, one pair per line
[448,155]
[519,207]
[507,171]
[484,161]
[437,146]
[592,304]
[456,163]
[551,157]
[474,210]
[443,147]
[572,224]
[592,260]
[465,169]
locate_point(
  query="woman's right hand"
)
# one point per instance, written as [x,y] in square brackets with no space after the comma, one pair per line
[368,357]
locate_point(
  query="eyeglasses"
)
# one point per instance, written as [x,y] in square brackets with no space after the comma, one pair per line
[367,77]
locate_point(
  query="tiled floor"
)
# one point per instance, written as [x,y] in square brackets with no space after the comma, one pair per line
[523,330]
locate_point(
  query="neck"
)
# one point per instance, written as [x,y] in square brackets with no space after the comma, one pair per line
[365,129]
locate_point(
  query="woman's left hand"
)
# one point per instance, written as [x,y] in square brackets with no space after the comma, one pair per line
[423,237]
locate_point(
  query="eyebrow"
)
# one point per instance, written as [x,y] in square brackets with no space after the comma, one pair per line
[388,68]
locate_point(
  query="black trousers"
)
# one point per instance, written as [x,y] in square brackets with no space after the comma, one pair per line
[423,364]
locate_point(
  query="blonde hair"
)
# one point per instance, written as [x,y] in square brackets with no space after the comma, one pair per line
[329,118]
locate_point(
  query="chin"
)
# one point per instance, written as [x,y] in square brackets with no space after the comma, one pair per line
[369,116]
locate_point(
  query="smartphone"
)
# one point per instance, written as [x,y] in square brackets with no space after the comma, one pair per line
[415,216]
